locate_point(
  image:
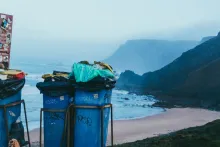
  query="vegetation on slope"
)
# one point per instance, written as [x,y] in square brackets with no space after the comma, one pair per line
[203,136]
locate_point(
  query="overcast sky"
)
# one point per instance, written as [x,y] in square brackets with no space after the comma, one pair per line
[111,21]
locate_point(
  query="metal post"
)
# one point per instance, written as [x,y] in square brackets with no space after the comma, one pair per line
[111,125]
[72,125]
[41,111]
[6,122]
[26,121]
[68,125]
[102,126]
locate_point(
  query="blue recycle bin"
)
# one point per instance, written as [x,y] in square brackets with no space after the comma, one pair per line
[54,121]
[13,113]
[88,121]
[56,96]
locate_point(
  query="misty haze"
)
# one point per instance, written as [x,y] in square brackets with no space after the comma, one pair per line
[154,63]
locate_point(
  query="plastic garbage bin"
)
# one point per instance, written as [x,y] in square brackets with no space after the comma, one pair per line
[55,96]
[87,129]
[10,91]
[88,123]
[93,87]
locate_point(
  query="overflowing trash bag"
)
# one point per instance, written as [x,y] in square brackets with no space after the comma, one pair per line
[85,72]
[54,88]
[92,77]
[95,84]
[58,76]
[55,85]
[10,87]
[11,82]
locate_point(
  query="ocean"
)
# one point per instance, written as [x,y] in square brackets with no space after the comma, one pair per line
[125,105]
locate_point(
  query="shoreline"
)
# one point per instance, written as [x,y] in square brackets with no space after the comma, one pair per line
[124,119]
[166,122]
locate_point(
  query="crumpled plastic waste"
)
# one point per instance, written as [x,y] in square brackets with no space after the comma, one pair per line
[104,65]
[85,72]
[12,74]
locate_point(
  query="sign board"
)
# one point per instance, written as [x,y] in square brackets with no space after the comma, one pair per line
[6,22]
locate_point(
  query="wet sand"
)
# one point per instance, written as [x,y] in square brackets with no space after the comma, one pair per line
[169,121]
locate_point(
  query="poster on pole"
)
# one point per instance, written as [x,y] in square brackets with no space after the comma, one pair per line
[6,22]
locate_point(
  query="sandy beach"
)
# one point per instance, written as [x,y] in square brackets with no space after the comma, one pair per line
[169,121]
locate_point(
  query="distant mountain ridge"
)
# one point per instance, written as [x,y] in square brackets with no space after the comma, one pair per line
[147,54]
[196,74]
[204,39]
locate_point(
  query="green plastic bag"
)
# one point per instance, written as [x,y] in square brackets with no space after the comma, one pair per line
[85,73]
